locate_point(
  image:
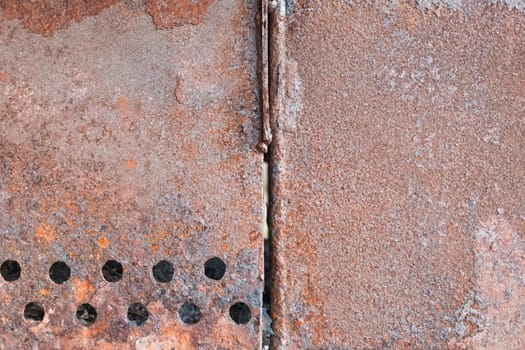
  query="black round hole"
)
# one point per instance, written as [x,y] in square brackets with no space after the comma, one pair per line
[59,272]
[112,271]
[34,312]
[189,313]
[240,313]
[214,268]
[137,314]
[163,271]
[10,270]
[86,314]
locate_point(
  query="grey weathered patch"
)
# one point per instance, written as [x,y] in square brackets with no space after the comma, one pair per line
[497,318]
[511,4]
[467,318]
[290,5]
[293,93]
[436,4]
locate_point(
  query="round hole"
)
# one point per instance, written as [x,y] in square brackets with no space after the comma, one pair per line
[112,271]
[189,313]
[10,270]
[163,271]
[86,314]
[34,312]
[137,314]
[240,313]
[59,272]
[214,268]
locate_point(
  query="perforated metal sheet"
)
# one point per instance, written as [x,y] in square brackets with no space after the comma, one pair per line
[128,133]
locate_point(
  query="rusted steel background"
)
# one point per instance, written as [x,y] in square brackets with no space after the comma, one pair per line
[398,175]
[128,133]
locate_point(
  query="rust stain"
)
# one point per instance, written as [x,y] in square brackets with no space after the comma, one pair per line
[43,206]
[82,290]
[45,233]
[122,104]
[103,242]
[131,164]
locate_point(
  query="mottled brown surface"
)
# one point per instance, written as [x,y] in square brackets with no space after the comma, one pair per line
[120,141]
[399,178]
[47,16]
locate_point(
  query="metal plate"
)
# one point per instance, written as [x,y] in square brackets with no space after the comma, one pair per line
[398,171]
[128,133]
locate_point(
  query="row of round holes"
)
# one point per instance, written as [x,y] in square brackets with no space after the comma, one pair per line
[138,314]
[163,271]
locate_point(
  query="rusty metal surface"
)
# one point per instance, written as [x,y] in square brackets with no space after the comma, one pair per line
[128,133]
[398,176]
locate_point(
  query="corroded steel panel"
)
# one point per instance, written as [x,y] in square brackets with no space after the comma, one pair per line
[130,187]
[398,175]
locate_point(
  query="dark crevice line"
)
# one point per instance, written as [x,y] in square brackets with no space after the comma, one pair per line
[266,320]
[272,53]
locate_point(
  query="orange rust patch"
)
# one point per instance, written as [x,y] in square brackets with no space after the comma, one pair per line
[82,290]
[47,16]
[90,232]
[156,238]
[169,14]
[183,338]
[231,336]
[43,206]
[45,233]
[69,222]
[122,104]
[3,76]
[103,242]
[131,164]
